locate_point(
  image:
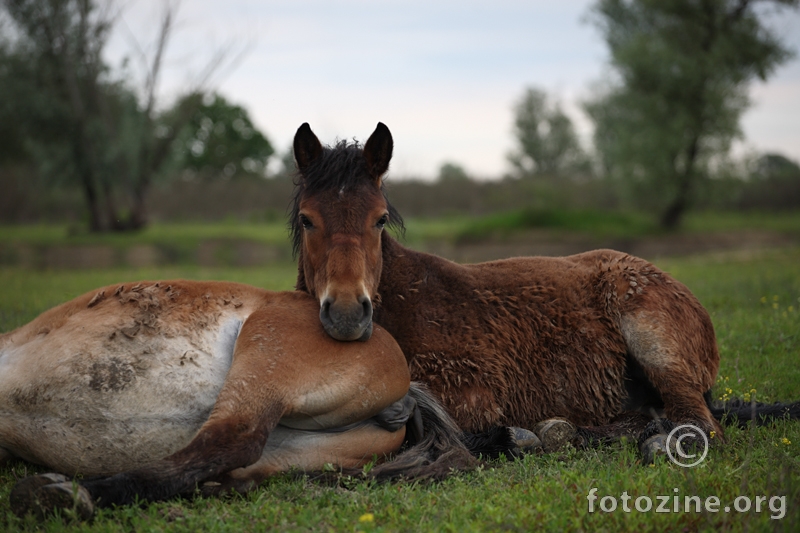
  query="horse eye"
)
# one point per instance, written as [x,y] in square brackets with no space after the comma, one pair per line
[382,221]
[306,222]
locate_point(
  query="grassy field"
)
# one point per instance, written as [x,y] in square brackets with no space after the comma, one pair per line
[754,300]
[454,227]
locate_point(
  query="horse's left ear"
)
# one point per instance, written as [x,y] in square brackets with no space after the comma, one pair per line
[378,151]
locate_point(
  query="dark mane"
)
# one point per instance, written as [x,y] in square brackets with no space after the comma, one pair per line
[340,167]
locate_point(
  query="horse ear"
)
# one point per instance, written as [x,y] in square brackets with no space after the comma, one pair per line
[307,147]
[378,151]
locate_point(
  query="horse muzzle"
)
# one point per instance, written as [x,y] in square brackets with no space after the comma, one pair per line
[347,321]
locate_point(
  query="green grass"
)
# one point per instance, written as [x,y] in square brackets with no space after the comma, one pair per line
[704,221]
[754,301]
[594,223]
[157,234]
[613,224]
[599,223]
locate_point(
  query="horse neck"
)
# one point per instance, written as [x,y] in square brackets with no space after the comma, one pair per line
[400,265]
[407,270]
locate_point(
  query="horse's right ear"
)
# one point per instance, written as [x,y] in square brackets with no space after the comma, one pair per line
[378,151]
[307,147]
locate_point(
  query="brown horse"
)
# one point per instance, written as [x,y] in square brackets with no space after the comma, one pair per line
[166,385]
[596,338]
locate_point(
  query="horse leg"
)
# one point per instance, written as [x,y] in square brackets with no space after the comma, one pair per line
[226,442]
[5,456]
[627,425]
[555,433]
[679,362]
[671,341]
[310,451]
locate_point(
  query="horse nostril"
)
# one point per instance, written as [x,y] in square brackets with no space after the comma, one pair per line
[325,312]
[366,305]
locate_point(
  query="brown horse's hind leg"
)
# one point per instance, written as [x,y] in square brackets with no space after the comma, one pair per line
[629,424]
[673,343]
[556,432]
[5,456]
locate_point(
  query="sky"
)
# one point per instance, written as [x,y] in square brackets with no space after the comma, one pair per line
[442,75]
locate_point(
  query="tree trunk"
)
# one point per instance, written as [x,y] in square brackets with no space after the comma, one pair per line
[138,217]
[673,215]
[88,185]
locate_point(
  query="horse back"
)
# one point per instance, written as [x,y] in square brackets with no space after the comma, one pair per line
[518,340]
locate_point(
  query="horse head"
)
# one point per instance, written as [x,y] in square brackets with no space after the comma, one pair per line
[338,218]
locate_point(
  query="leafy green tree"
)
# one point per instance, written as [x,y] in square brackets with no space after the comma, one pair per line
[775,166]
[773,184]
[220,141]
[683,69]
[53,66]
[77,120]
[547,143]
[452,173]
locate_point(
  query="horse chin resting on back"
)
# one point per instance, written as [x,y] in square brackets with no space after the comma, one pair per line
[167,385]
[601,339]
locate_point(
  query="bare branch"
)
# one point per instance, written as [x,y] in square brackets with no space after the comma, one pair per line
[164,34]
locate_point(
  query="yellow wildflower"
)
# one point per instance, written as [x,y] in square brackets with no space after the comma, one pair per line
[366,517]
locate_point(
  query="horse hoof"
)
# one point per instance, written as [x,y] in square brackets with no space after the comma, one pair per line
[23,496]
[655,446]
[42,498]
[555,433]
[524,440]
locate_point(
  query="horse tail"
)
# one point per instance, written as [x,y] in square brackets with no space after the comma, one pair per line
[443,447]
[739,412]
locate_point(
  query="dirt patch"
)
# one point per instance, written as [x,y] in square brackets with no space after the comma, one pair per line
[207,253]
[221,252]
[143,255]
[651,248]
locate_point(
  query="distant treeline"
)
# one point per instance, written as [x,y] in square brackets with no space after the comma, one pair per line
[25,201]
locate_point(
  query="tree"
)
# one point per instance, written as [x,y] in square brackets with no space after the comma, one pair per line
[547,141]
[773,184]
[453,173]
[80,123]
[221,141]
[683,68]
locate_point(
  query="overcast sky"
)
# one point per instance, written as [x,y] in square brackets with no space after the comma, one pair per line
[442,75]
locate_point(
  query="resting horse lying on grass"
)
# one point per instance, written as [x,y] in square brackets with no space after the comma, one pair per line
[601,339]
[167,385]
